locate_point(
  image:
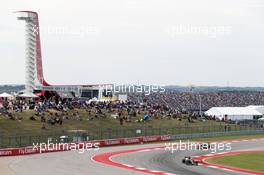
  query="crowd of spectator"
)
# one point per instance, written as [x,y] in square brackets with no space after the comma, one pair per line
[55,111]
[191,101]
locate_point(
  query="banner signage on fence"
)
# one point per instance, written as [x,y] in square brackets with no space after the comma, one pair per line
[101,143]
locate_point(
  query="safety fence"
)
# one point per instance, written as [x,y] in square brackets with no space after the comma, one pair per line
[178,132]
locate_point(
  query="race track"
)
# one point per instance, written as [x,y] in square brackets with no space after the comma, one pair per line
[74,163]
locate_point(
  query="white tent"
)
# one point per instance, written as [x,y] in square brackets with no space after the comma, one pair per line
[122,97]
[6,95]
[258,108]
[93,100]
[28,95]
[233,113]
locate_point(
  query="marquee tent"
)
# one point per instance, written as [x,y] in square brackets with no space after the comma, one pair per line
[258,108]
[6,95]
[234,113]
[28,95]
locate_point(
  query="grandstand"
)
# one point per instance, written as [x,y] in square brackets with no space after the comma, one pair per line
[188,101]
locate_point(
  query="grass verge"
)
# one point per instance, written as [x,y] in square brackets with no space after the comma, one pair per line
[249,161]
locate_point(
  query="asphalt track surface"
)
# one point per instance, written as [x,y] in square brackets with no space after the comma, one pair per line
[74,163]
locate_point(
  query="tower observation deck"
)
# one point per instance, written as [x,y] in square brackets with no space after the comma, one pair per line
[34,79]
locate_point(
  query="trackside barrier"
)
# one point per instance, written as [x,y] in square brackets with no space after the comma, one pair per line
[19,140]
[99,143]
[125,141]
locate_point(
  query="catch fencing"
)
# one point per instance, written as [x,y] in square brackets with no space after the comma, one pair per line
[177,132]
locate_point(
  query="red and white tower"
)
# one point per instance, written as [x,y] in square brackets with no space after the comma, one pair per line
[34,71]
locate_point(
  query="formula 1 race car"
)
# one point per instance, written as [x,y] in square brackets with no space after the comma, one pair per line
[189,161]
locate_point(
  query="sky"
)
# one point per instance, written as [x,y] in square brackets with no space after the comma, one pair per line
[163,42]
